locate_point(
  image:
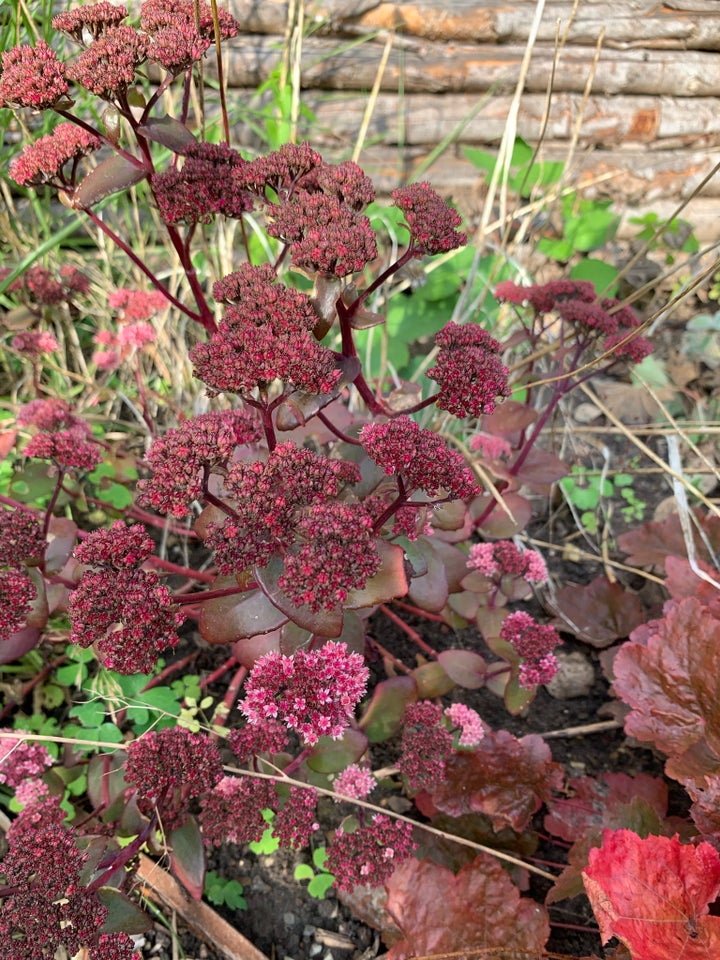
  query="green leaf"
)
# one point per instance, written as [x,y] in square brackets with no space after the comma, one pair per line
[266,845]
[320,884]
[90,714]
[602,275]
[303,871]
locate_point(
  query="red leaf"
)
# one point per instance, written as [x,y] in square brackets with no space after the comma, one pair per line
[505,778]
[600,612]
[498,525]
[478,910]
[187,857]
[238,616]
[116,173]
[169,132]
[653,895]
[649,544]
[668,674]
[682,581]
[597,801]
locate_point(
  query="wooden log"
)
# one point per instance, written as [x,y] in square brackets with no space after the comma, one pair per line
[428,119]
[676,25]
[429,67]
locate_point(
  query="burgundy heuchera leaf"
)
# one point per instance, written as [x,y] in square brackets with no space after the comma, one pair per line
[505,778]
[653,895]
[668,674]
[477,909]
[600,612]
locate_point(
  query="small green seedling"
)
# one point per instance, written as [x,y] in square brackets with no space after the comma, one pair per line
[321,881]
[224,893]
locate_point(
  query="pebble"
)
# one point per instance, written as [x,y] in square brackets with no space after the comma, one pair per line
[575,677]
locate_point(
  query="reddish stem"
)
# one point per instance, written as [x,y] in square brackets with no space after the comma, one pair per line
[413,634]
[398,664]
[216,674]
[425,614]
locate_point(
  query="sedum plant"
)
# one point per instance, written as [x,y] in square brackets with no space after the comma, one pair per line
[309,498]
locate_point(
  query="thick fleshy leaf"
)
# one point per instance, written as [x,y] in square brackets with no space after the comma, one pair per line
[187,857]
[168,131]
[123,916]
[599,612]
[465,668]
[668,674]
[106,779]
[236,617]
[61,543]
[388,583]
[429,591]
[451,521]
[18,644]
[7,442]
[431,681]
[505,778]
[110,176]
[332,756]
[38,615]
[382,717]
[323,623]
[251,649]
[653,895]
[478,910]
[498,525]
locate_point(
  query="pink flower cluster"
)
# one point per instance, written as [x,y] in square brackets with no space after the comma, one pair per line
[296,820]
[431,222]
[169,768]
[34,342]
[326,235]
[17,592]
[107,67]
[468,370]
[577,304]
[20,759]
[490,445]
[44,161]
[45,906]
[420,457]
[133,305]
[266,335]
[22,544]
[32,77]
[468,722]
[534,643]
[206,185]
[354,783]
[90,21]
[120,607]
[426,746]
[313,693]
[281,170]
[232,810]
[268,498]
[38,285]
[503,559]
[63,437]
[181,460]
[335,553]
[255,739]
[371,853]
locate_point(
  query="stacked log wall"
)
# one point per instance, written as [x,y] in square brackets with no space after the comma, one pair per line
[649,132]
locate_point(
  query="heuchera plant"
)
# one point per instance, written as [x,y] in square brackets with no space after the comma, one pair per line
[321,498]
